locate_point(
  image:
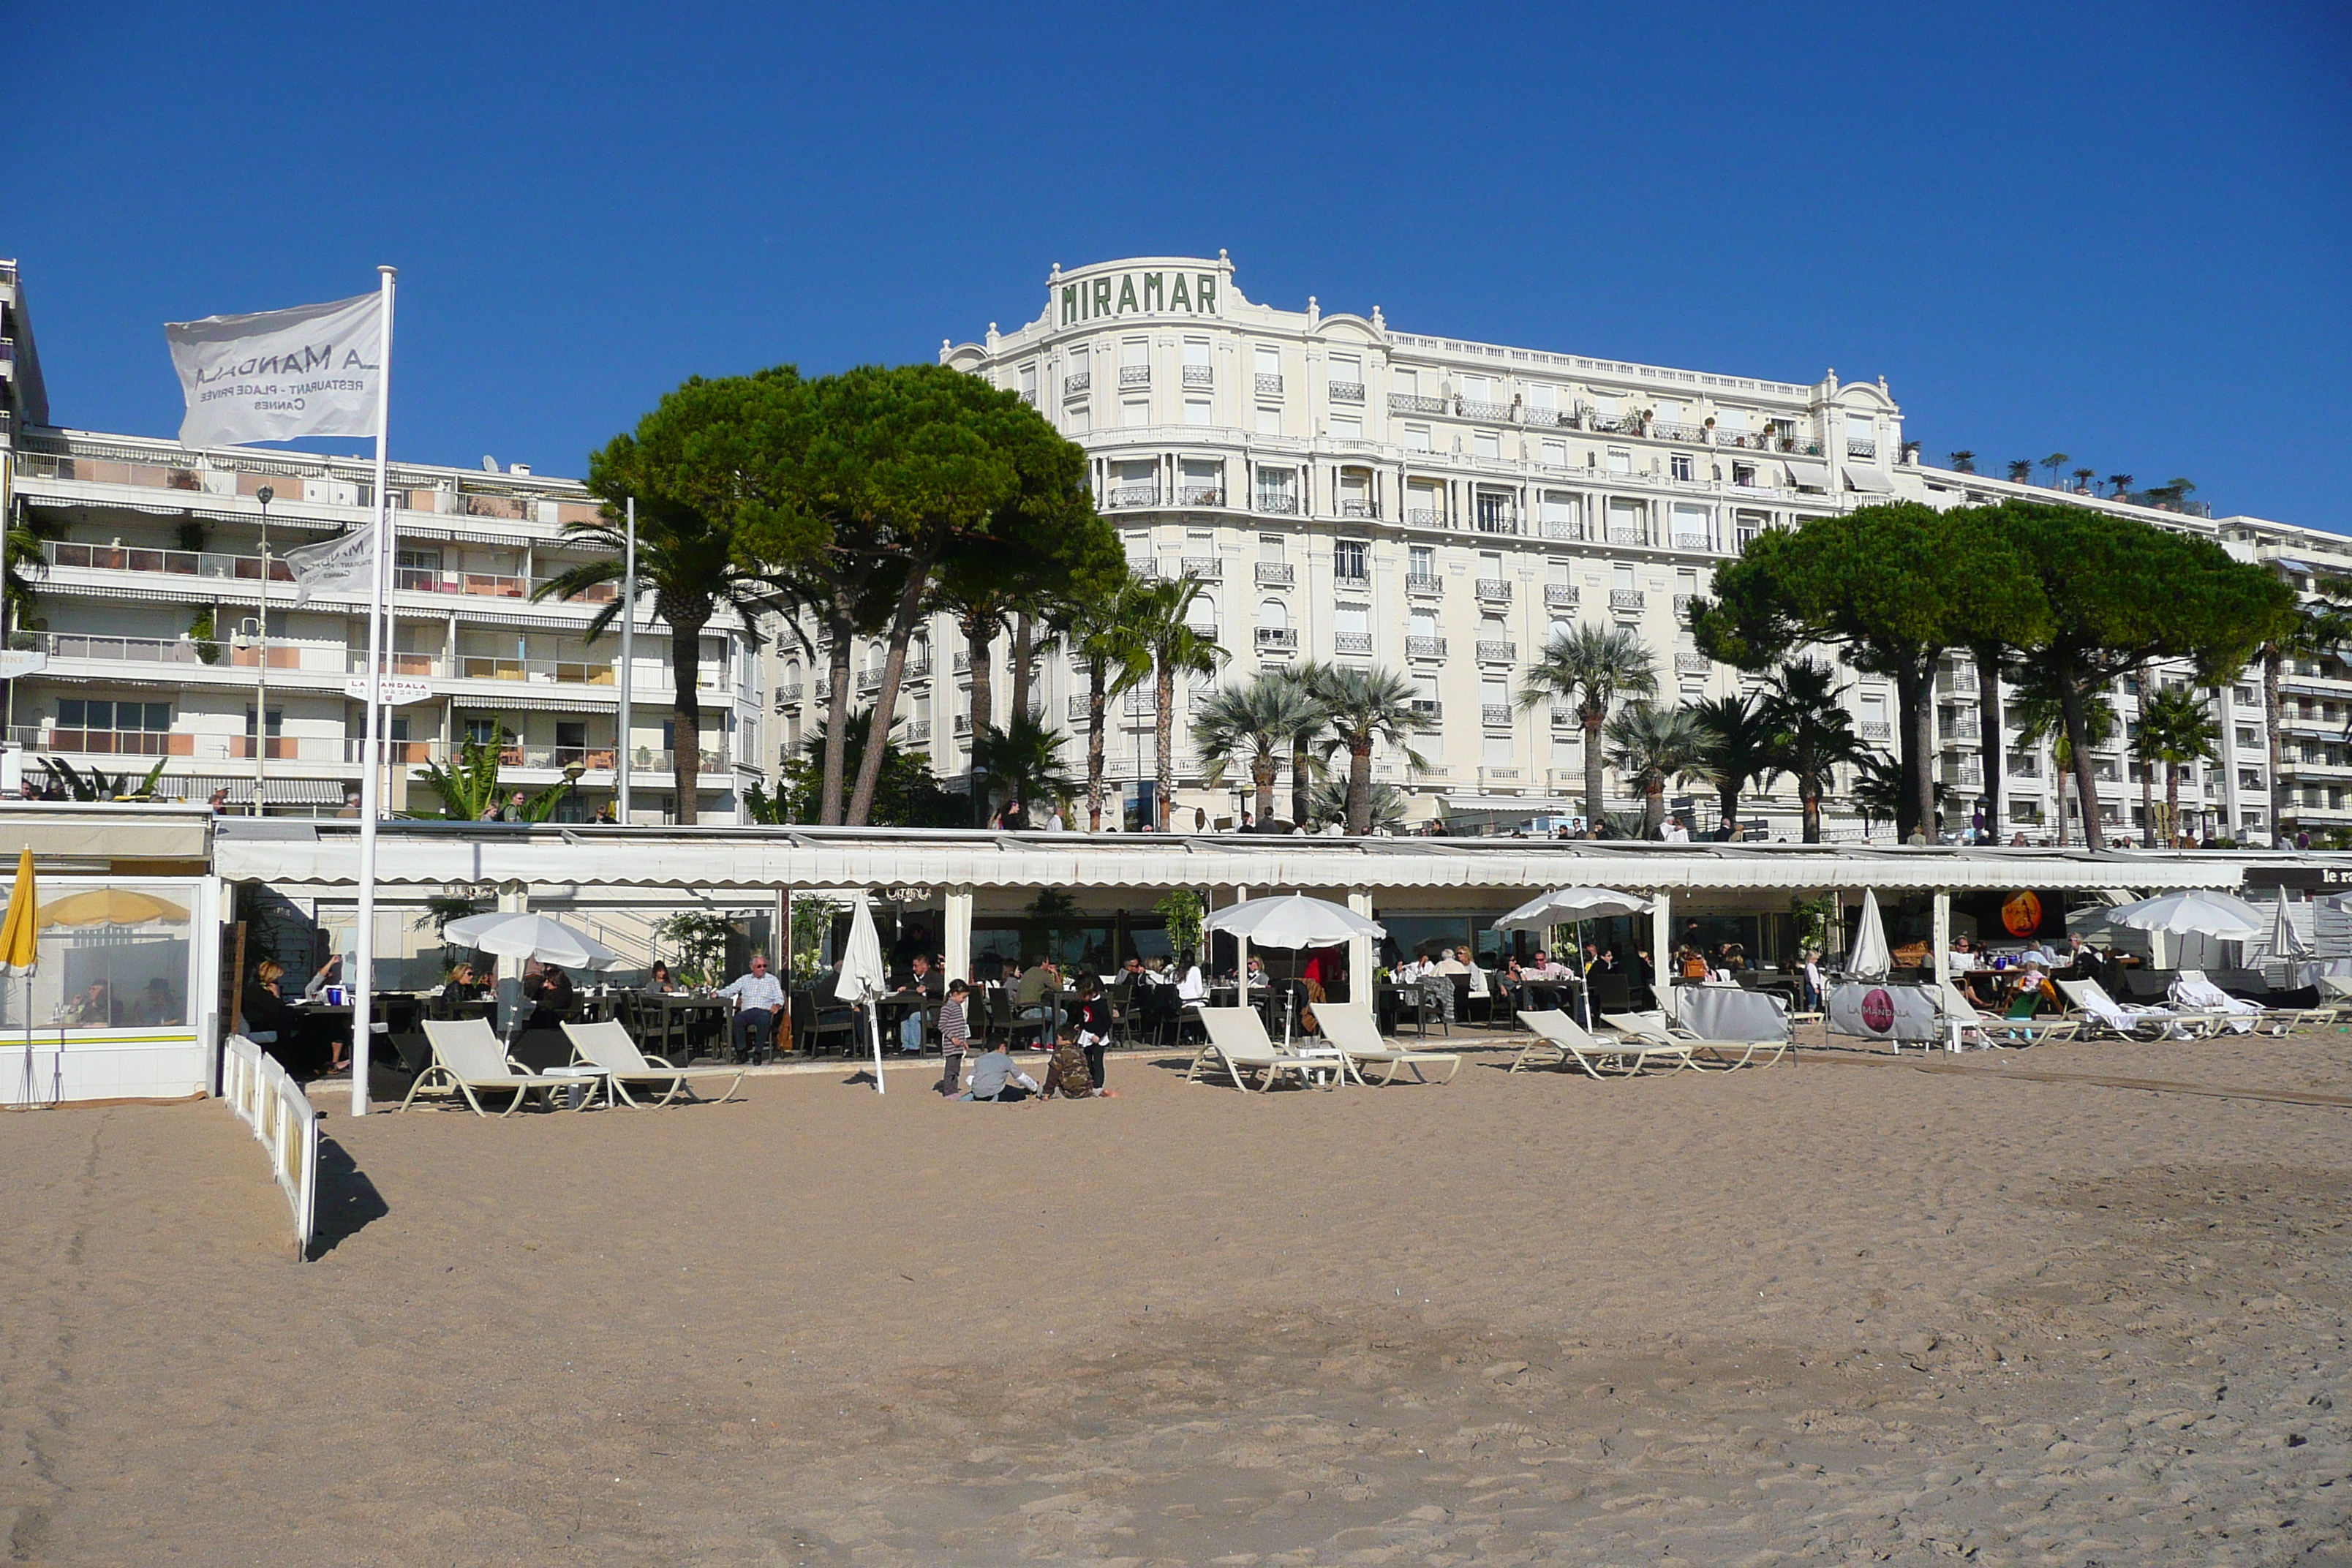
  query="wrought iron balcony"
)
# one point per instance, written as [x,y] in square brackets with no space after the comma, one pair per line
[1494,588]
[1424,647]
[1135,376]
[1496,715]
[1277,639]
[1623,533]
[1423,583]
[1875,730]
[1200,376]
[1359,509]
[1563,715]
[1134,495]
[1662,430]
[964,724]
[1199,495]
[1282,503]
[1274,574]
[1545,417]
[1856,446]
[1268,385]
[1498,520]
[1498,776]
[1491,652]
[1693,542]
[1683,604]
[1351,642]
[1405,403]
[1074,384]
[1426,706]
[963,662]
[1424,516]
[919,732]
[1693,664]
[1488,413]
[787,699]
[1207,568]
[1626,599]
[1346,392]
[868,681]
[1559,595]
[1081,705]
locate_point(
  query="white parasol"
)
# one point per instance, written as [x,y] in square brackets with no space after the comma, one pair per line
[512,936]
[2199,911]
[1293,919]
[863,977]
[1572,906]
[2286,943]
[1870,960]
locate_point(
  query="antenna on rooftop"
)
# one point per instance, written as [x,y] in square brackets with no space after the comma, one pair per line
[490,464]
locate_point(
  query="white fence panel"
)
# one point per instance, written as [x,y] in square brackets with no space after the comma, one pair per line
[284,1119]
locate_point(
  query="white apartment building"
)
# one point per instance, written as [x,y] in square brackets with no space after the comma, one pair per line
[1350,492]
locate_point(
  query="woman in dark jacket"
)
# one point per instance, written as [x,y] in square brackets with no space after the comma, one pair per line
[266,1017]
[552,999]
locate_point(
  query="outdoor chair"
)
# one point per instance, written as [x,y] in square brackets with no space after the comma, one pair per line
[813,1026]
[1237,1041]
[1609,990]
[2011,1033]
[1432,988]
[468,1061]
[607,1047]
[1560,1041]
[2105,1018]
[1706,1055]
[1412,1003]
[1356,1037]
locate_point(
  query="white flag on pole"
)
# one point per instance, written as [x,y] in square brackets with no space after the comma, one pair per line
[315,370]
[343,564]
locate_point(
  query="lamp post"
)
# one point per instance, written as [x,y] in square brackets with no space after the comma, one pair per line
[265,495]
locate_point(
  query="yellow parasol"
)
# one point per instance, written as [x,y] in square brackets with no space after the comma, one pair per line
[110,907]
[20,933]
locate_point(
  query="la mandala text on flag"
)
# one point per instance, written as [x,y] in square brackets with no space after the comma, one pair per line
[343,564]
[315,370]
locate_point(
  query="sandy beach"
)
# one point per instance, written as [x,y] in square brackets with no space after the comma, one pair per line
[1837,1311]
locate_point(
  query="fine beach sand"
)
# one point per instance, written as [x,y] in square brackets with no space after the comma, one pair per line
[1838,1312]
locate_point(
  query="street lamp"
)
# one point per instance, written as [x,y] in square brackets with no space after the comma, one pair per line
[265,495]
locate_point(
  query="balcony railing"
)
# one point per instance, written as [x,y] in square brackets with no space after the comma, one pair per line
[1351,642]
[1405,403]
[1134,495]
[1693,542]
[1545,418]
[1207,568]
[1559,595]
[1487,413]
[1498,776]
[1490,652]
[787,699]
[919,732]
[1628,533]
[1875,730]
[1282,503]
[1494,589]
[1423,583]
[1268,386]
[1424,516]
[1346,392]
[116,743]
[247,568]
[1683,604]
[1564,716]
[1498,520]
[1496,715]
[1664,430]
[1562,527]
[1359,509]
[1274,574]
[1199,495]
[1200,376]
[963,724]
[1856,446]
[1424,647]
[1279,639]
[1424,706]
[567,672]
[1693,664]
[1134,376]
[868,681]
[1074,384]
[1626,599]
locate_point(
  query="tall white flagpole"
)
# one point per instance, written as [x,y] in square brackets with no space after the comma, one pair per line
[628,662]
[363,965]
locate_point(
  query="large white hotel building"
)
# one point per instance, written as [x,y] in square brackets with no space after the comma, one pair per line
[1345,490]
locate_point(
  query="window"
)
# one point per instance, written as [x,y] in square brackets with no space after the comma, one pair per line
[1133,354]
[1686,584]
[1561,626]
[1202,616]
[2244,694]
[1678,465]
[1269,547]
[1555,454]
[1029,385]
[1746,525]
[1273,615]
[102,975]
[1620,461]
[1486,444]
[1744,475]
[1416,437]
[1493,513]
[1626,520]
[1196,356]
[1425,690]
[1198,411]
[1539,397]
[1351,559]
[1348,427]
[1494,751]
[1278,489]
[1690,525]
[1268,359]
[1421,624]
[1346,370]
[1478,389]
[1269,421]
[1081,419]
[1421,561]
[1559,515]
[1494,692]
[1404,383]
[1134,411]
[1622,577]
[1352,620]
[478,732]
[98,713]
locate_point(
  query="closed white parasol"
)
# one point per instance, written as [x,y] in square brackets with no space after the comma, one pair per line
[863,978]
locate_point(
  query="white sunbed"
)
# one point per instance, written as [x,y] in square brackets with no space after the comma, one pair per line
[2101,1013]
[2010,1033]
[1706,1055]
[2335,999]
[1358,1039]
[608,1047]
[1237,1039]
[468,1060]
[1613,1055]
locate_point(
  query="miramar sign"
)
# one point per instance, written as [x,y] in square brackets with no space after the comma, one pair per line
[1152,293]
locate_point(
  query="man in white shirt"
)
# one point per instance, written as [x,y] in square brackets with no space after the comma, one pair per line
[758,1008]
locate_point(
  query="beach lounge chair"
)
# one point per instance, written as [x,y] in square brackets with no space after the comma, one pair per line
[1613,1055]
[607,1046]
[2192,989]
[2103,1015]
[2011,1033]
[1358,1041]
[1237,1041]
[468,1061]
[1716,1056]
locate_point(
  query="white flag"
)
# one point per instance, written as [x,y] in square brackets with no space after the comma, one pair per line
[343,564]
[315,370]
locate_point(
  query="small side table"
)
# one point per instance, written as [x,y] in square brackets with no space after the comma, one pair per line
[581,1092]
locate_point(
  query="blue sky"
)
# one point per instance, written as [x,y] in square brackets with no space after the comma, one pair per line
[2116,231]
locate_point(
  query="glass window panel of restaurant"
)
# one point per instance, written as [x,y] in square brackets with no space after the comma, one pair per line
[111,955]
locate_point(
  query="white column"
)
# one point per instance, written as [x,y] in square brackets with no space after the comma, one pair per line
[1360,958]
[1662,950]
[1240,952]
[957,936]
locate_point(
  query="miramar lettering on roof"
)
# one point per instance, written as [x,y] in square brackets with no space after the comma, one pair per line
[1155,292]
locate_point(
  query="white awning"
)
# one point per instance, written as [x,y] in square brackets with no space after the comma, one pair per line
[1870,480]
[1808,471]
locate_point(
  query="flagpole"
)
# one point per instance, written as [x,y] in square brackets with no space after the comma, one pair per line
[628,663]
[363,956]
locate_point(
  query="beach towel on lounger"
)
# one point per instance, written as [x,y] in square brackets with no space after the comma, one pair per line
[2191,989]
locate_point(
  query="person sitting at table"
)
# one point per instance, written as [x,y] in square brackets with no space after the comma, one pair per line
[924,987]
[1036,1000]
[1964,954]
[1482,988]
[158,1006]
[2089,962]
[759,1009]
[1254,978]
[1690,964]
[266,1017]
[329,974]
[92,1009]
[1447,964]
[996,1080]
[551,995]
[1191,986]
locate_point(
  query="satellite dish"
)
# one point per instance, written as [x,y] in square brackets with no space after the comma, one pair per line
[490,464]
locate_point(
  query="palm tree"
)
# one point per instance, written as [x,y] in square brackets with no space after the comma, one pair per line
[1254,726]
[1812,733]
[685,560]
[1651,744]
[2020,469]
[2083,478]
[1108,628]
[2175,729]
[469,790]
[2317,628]
[1879,789]
[1964,462]
[2040,716]
[1384,805]
[1364,707]
[1022,761]
[1176,646]
[2120,486]
[1592,667]
[1305,766]
[2053,462]
[1738,747]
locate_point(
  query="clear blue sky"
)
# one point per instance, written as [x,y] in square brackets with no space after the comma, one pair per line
[2115,230]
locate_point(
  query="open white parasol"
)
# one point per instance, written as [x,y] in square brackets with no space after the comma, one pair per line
[1572,906]
[509,934]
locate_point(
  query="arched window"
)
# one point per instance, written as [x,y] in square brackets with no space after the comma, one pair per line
[1274,615]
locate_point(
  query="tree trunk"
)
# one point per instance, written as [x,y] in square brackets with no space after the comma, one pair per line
[2273,720]
[1163,762]
[1654,808]
[979,634]
[685,714]
[1262,772]
[1095,704]
[1727,802]
[1359,789]
[1302,766]
[1594,781]
[1916,713]
[2171,803]
[1025,657]
[1990,739]
[2147,802]
[1809,792]
[841,624]
[885,701]
[2078,741]
[2058,763]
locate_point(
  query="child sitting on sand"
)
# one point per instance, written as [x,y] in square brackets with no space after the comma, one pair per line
[995,1080]
[1067,1075]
